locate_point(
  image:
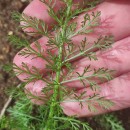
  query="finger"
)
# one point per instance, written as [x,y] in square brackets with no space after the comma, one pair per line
[116,58]
[119,10]
[32,60]
[34,92]
[116,90]
[110,20]
[39,10]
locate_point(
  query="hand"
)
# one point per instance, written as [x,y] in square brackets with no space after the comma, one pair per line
[114,20]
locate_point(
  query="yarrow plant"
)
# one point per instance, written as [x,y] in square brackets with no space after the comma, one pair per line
[59,55]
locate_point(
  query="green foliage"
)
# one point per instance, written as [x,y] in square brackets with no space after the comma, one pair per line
[110,122]
[4,123]
[36,24]
[16,16]
[50,116]
[73,123]
[18,42]
[22,116]
[26,116]
[7,68]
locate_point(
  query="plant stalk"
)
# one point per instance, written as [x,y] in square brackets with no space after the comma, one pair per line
[56,93]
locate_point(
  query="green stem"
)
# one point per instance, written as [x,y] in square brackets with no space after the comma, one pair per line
[56,93]
[78,78]
[80,54]
[84,77]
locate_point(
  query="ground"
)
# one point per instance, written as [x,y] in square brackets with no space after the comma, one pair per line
[7,52]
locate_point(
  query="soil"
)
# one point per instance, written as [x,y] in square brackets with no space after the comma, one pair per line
[7,52]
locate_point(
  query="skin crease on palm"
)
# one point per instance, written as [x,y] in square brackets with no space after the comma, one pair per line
[114,20]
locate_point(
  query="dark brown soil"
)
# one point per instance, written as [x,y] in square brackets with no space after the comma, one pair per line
[7,52]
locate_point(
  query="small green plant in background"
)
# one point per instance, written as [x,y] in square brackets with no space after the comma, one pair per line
[109,122]
[26,116]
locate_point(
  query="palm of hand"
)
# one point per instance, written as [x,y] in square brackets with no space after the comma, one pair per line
[116,58]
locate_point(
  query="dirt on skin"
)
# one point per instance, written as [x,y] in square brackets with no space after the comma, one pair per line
[7,52]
